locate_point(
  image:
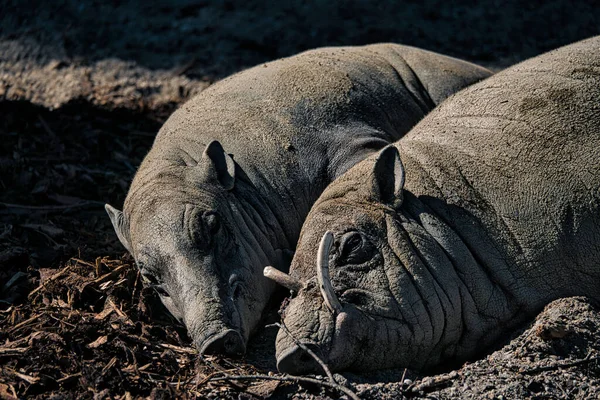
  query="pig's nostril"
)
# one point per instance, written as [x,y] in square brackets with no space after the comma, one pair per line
[228,342]
[230,345]
[235,285]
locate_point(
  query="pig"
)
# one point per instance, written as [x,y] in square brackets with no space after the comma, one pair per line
[232,174]
[435,248]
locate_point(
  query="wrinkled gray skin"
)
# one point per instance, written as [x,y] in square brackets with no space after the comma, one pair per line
[466,227]
[233,173]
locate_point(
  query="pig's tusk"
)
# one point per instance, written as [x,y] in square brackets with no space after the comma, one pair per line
[283,279]
[331,300]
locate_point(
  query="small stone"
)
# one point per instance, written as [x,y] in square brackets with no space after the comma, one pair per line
[551,331]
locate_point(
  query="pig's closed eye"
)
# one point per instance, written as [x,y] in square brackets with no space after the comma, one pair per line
[152,281]
[203,227]
[354,249]
[160,289]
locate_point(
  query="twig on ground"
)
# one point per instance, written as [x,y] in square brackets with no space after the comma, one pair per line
[27,321]
[219,369]
[52,278]
[432,382]
[178,349]
[62,321]
[557,365]
[80,261]
[309,351]
[110,275]
[288,378]
[207,378]
[13,351]
[403,376]
[27,378]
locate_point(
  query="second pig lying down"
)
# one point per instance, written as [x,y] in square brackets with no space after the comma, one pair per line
[436,247]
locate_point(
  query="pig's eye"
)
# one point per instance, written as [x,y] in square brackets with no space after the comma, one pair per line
[161,290]
[354,249]
[155,284]
[148,277]
[151,280]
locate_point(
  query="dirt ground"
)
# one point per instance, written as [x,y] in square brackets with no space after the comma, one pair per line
[85,86]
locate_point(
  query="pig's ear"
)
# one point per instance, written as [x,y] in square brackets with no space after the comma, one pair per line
[387,177]
[220,163]
[118,221]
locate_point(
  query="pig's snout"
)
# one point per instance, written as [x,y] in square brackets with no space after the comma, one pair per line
[228,342]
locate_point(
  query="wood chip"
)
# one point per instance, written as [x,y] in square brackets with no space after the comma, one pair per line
[120,312]
[108,309]
[5,394]
[79,261]
[111,274]
[68,377]
[178,349]
[27,378]
[21,324]
[263,389]
[98,342]
[52,278]
[110,364]
[145,367]
[9,352]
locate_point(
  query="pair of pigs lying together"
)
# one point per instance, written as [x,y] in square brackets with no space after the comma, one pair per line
[423,244]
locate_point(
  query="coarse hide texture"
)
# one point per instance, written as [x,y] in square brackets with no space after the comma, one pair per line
[465,228]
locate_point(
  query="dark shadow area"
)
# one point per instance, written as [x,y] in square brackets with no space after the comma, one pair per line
[216,38]
[57,168]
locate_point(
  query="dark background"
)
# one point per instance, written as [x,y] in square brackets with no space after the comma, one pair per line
[224,36]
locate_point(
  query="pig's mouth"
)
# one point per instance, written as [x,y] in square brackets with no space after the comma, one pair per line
[338,351]
[297,361]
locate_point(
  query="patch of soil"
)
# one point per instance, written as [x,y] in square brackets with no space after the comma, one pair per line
[556,357]
[85,86]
